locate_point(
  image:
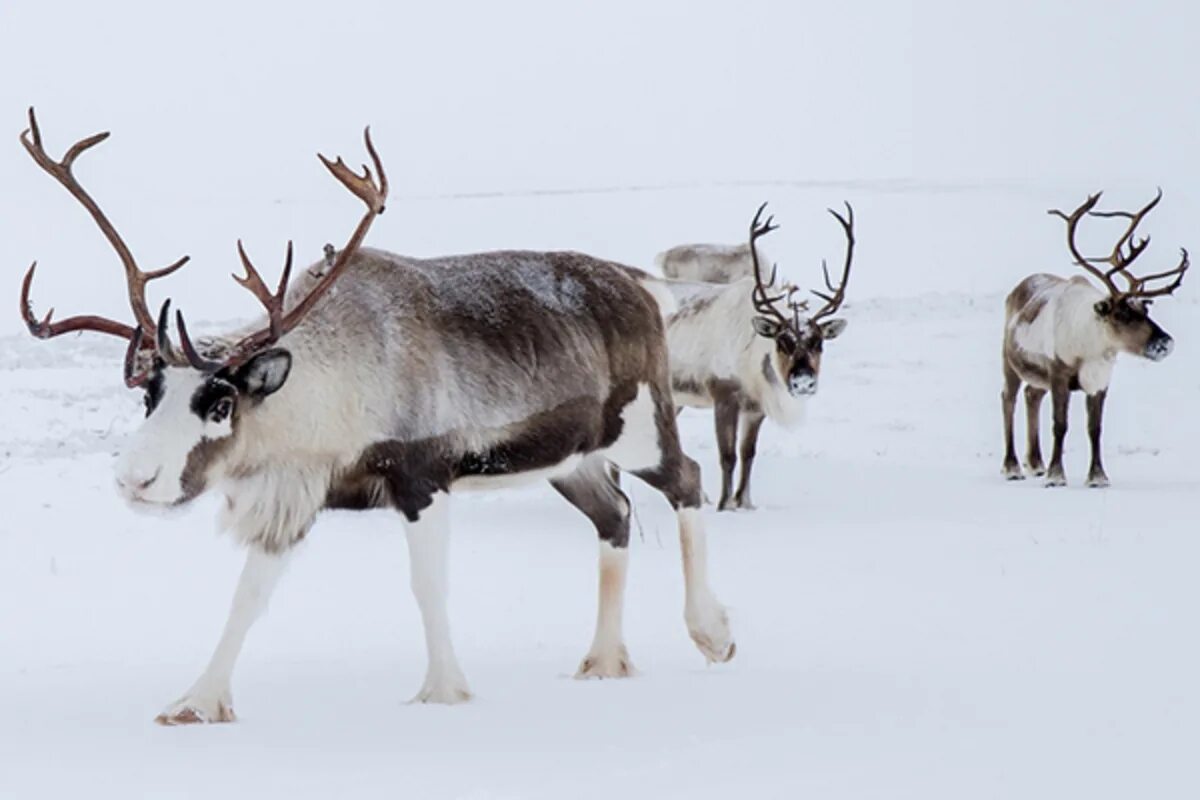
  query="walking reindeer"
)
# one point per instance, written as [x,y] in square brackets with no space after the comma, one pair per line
[386,381]
[1063,335]
[749,350]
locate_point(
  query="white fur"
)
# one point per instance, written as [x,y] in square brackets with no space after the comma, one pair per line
[719,342]
[1068,329]
[428,552]
[210,698]
[608,657]
[150,470]
[637,445]
[707,621]
[710,263]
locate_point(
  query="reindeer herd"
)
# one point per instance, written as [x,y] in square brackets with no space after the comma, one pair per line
[381,381]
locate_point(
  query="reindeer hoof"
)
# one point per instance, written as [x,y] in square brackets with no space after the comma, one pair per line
[1097,481]
[710,631]
[614,664]
[446,690]
[1012,471]
[197,711]
[1055,480]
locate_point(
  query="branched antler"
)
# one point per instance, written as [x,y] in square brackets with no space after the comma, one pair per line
[1124,252]
[365,187]
[135,278]
[835,295]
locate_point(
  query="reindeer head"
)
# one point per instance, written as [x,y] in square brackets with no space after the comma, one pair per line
[1123,316]
[195,403]
[800,338]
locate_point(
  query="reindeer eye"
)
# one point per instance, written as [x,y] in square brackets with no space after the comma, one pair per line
[221,410]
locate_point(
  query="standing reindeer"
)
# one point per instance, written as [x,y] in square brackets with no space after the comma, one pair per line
[386,381]
[707,263]
[750,354]
[1063,335]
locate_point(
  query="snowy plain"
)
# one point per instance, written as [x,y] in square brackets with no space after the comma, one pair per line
[908,623]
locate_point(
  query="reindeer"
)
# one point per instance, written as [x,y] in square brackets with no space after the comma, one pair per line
[707,263]
[1063,335]
[736,350]
[381,381]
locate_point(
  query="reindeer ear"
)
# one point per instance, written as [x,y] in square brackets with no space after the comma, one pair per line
[1104,307]
[831,329]
[264,374]
[765,326]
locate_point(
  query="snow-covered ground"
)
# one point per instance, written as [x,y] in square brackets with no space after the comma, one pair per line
[908,624]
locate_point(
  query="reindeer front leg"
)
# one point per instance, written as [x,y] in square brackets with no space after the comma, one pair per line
[1008,402]
[751,423]
[428,551]
[210,698]
[1033,445]
[725,414]
[1060,398]
[1095,409]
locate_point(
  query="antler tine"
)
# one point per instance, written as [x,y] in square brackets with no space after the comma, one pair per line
[1125,252]
[44,328]
[134,379]
[764,303]
[135,278]
[837,295]
[1118,260]
[1081,260]
[1178,272]
[365,187]
[190,352]
[273,303]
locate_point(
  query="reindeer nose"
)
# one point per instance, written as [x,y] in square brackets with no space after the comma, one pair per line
[137,483]
[803,384]
[1160,348]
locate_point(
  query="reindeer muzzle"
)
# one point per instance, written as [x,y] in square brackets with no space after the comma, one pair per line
[802,385]
[1159,348]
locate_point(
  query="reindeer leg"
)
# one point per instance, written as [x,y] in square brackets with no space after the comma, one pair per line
[659,461]
[1033,408]
[591,489]
[751,423]
[1095,408]
[1060,398]
[1008,402]
[428,551]
[725,414]
[210,698]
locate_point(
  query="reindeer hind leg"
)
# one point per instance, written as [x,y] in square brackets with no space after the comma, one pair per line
[592,489]
[678,478]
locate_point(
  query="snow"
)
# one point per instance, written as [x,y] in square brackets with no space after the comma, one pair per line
[908,624]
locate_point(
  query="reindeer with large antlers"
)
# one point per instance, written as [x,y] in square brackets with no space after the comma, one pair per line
[1063,335]
[380,381]
[750,350]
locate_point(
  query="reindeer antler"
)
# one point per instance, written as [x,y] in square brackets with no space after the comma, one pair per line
[136,279]
[1124,252]
[364,187]
[764,303]
[833,300]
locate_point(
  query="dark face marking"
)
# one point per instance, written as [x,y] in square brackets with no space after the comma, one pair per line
[194,479]
[797,357]
[215,400]
[1130,322]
